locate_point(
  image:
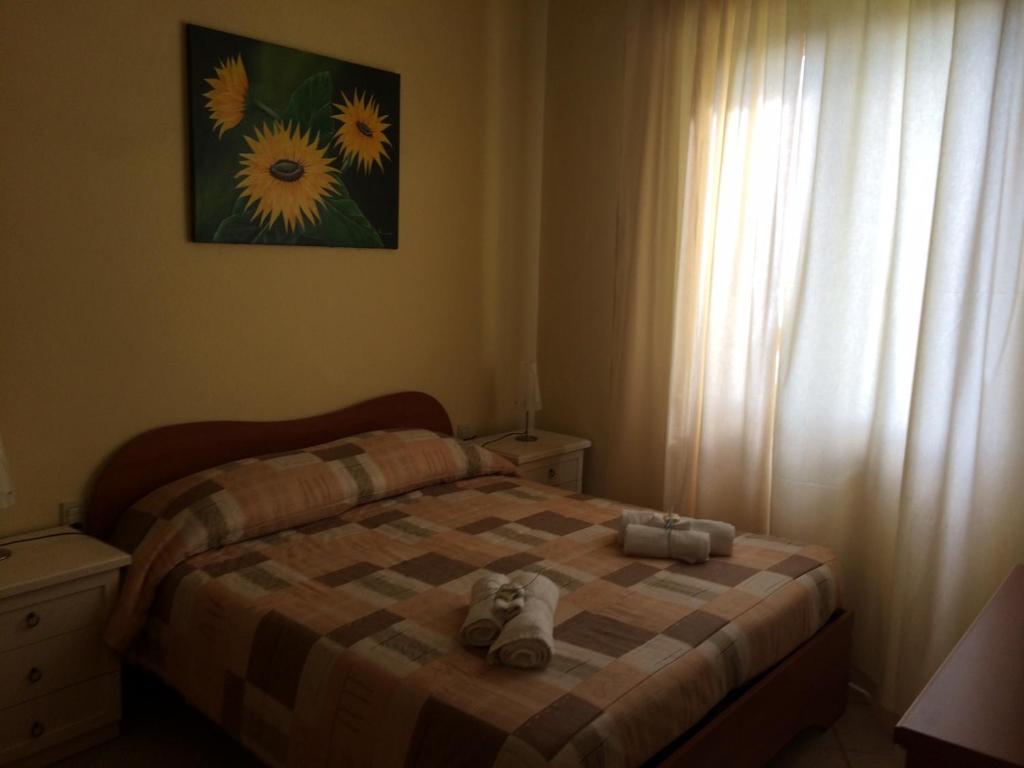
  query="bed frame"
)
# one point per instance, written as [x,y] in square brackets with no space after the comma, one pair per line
[806,689]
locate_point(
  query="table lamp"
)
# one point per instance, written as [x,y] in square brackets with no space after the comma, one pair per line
[531,399]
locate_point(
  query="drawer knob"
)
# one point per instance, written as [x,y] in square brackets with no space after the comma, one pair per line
[35,675]
[32,620]
[552,473]
[38,729]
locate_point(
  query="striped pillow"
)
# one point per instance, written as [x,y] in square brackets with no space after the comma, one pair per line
[259,496]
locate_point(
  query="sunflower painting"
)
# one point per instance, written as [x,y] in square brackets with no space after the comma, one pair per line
[290,148]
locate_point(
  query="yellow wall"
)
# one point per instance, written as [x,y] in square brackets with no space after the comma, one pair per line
[582,140]
[112,322]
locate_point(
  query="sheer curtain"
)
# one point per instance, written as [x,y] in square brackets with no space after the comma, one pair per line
[846,249]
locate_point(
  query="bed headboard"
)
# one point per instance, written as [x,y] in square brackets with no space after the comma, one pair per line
[162,455]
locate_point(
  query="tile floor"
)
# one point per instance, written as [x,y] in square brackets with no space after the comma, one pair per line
[862,738]
[158,730]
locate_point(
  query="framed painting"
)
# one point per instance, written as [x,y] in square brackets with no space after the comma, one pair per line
[290,148]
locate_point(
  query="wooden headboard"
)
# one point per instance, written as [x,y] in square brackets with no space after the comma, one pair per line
[162,455]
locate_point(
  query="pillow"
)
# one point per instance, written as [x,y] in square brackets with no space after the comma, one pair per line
[256,497]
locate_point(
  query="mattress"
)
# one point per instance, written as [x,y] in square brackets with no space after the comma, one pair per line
[335,642]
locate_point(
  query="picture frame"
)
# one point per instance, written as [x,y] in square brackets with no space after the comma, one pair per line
[290,147]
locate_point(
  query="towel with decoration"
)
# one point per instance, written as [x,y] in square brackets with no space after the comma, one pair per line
[646,533]
[668,542]
[487,611]
[513,617]
[527,640]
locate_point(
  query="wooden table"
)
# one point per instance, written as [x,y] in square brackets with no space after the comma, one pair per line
[971,713]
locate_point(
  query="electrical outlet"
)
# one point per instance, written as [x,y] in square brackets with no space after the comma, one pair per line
[71,513]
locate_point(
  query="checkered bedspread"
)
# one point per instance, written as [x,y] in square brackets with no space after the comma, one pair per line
[335,642]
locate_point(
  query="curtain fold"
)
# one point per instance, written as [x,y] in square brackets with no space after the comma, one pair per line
[844,238]
[660,44]
[961,522]
[748,157]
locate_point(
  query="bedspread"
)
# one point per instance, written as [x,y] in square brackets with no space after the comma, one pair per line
[335,643]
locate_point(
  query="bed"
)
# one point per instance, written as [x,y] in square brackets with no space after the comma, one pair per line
[308,600]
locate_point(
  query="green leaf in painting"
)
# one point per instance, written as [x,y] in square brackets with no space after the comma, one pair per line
[278,235]
[310,106]
[236,228]
[322,126]
[343,223]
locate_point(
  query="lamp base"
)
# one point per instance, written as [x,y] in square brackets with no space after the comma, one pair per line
[526,438]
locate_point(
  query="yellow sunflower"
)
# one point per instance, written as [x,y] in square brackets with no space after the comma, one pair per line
[286,175]
[227,94]
[361,133]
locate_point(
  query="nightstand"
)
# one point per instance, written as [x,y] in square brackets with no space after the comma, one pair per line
[552,458]
[60,686]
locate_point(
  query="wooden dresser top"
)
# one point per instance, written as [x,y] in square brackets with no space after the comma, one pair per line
[975,701]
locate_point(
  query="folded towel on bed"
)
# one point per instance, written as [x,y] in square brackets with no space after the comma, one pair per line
[721,535]
[649,518]
[527,639]
[685,545]
[489,607]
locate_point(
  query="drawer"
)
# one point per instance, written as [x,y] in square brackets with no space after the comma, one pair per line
[49,665]
[37,616]
[564,469]
[65,714]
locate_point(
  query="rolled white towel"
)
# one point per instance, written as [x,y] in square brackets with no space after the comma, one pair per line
[527,640]
[486,615]
[721,535]
[685,545]
[649,518]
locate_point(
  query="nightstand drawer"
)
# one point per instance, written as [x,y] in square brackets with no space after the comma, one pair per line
[60,688]
[35,621]
[40,723]
[41,668]
[558,471]
[550,458]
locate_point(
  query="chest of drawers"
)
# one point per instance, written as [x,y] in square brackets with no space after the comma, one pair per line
[59,683]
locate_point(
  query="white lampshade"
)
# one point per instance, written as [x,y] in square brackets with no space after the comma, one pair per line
[6,489]
[531,388]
